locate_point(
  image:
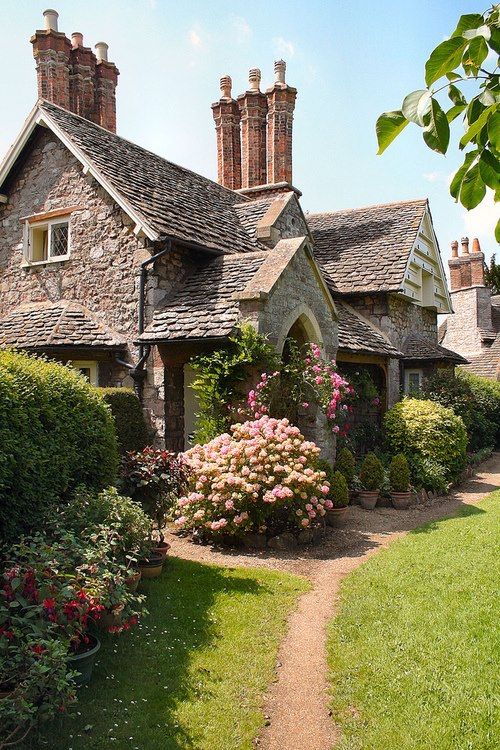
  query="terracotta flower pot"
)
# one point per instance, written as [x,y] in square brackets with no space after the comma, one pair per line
[152,567]
[132,581]
[83,662]
[335,517]
[161,549]
[368,499]
[401,500]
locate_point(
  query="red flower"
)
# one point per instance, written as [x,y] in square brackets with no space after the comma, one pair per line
[38,649]
[49,604]
[7,633]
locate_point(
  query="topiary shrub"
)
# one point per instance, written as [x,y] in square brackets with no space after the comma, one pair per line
[339,490]
[132,433]
[56,433]
[261,478]
[399,474]
[346,464]
[427,434]
[371,475]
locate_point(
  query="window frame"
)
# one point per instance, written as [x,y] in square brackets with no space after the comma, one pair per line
[90,364]
[412,371]
[47,223]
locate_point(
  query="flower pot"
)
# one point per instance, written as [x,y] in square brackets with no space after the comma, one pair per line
[161,549]
[152,567]
[401,500]
[368,499]
[336,516]
[83,663]
[133,580]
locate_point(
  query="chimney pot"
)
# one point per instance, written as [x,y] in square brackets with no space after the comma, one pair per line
[279,71]
[101,51]
[476,247]
[76,39]
[465,246]
[50,17]
[454,249]
[226,85]
[254,77]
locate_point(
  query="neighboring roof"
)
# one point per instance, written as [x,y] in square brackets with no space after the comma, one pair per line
[487,364]
[417,346]
[359,336]
[164,199]
[44,325]
[204,306]
[364,250]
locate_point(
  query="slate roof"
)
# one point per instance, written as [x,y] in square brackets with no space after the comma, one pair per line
[365,250]
[203,307]
[55,324]
[417,346]
[251,212]
[357,335]
[172,200]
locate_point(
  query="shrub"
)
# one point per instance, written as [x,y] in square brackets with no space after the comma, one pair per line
[425,430]
[371,475]
[486,394]
[346,464]
[261,478]
[55,433]
[399,474]
[429,474]
[132,433]
[339,491]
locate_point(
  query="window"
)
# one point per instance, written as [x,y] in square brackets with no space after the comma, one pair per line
[413,381]
[48,241]
[88,369]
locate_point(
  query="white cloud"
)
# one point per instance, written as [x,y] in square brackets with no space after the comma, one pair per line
[283,47]
[194,37]
[153,4]
[433,176]
[481,221]
[242,29]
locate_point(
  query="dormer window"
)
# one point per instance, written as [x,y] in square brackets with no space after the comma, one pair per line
[47,237]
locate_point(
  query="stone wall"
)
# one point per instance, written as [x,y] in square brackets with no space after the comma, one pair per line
[472,313]
[291,222]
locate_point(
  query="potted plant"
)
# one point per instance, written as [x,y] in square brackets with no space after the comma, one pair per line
[339,495]
[346,464]
[399,478]
[371,477]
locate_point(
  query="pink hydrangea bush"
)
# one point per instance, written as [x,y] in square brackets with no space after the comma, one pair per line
[260,478]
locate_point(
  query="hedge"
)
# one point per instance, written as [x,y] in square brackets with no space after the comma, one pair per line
[56,432]
[431,436]
[130,426]
[486,395]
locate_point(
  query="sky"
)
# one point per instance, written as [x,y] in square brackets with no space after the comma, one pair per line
[349,59]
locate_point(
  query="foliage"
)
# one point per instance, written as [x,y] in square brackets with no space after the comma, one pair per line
[486,394]
[131,431]
[55,433]
[260,478]
[371,474]
[431,436]
[460,60]
[399,473]
[339,491]
[157,478]
[221,377]
[412,645]
[492,275]
[346,464]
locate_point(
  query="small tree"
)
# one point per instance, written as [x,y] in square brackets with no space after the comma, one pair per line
[371,475]
[339,491]
[492,276]
[346,465]
[399,474]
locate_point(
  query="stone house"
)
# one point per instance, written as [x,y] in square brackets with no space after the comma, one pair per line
[126,265]
[474,329]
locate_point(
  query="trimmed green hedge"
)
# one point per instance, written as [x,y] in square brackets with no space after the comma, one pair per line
[486,395]
[55,433]
[431,436]
[131,430]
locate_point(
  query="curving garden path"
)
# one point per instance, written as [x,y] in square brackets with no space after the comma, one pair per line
[296,707]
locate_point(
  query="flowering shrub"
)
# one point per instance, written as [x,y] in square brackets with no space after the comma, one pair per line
[260,478]
[305,380]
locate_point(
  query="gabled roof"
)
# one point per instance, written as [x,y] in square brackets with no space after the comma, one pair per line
[164,199]
[417,346]
[47,325]
[359,336]
[364,250]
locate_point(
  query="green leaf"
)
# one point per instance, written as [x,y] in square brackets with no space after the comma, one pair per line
[456,95]
[494,130]
[459,175]
[389,126]
[453,113]
[437,131]
[489,168]
[473,188]
[444,59]
[476,126]
[488,98]
[416,105]
[495,40]
[497,231]
[475,54]
[453,76]
[466,22]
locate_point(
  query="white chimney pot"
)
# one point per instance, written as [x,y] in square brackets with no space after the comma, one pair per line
[101,51]
[50,17]
[77,39]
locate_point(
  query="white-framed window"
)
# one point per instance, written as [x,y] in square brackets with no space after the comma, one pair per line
[47,241]
[413,380]
[88,369]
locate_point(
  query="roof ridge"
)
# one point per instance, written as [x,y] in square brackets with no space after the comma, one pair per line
[373,205]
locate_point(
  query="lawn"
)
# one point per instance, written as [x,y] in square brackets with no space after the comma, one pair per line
[414,652]
[194,674]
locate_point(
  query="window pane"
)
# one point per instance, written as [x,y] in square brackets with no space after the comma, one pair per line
[59,240]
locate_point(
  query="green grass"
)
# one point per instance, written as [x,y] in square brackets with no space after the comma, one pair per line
[194,674]
[414,651]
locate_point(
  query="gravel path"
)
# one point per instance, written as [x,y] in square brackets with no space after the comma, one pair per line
[297,703]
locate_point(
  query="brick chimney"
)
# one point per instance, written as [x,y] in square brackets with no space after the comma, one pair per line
[281,104]
[226,114]
[466,270]
[72,76]
[253,109]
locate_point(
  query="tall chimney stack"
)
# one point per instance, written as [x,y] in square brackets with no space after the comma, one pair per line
[51,50]
[467,269]
[253,109]
[226,114]
[281,104]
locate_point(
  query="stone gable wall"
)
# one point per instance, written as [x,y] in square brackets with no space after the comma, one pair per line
[291,222]
[472,313]
[396,317]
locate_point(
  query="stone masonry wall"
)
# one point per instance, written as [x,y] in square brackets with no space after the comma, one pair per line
[291,221]
[472,313]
